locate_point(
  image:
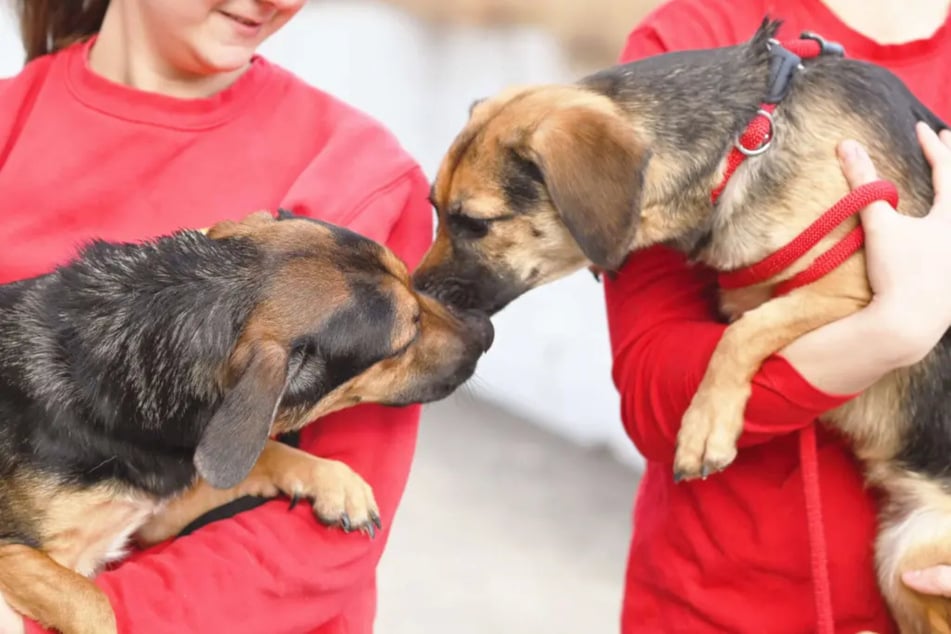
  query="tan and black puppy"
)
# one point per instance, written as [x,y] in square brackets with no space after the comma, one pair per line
[140,383]
[545,180]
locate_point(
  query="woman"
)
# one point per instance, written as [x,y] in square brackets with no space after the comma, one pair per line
[134,118]
[743,551]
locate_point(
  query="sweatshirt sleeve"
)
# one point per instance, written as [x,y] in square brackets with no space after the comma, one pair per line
[271,569]
[662,313]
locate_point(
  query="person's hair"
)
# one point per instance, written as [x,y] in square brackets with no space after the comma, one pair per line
[49,25]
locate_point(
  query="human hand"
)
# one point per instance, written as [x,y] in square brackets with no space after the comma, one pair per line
[10,621]
[935,580]
[908,260]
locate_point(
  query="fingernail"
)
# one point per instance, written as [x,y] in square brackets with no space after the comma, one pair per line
[850,149]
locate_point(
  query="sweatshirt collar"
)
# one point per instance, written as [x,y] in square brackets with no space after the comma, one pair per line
[130,104]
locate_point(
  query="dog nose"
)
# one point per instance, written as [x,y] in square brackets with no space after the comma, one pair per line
[484,330]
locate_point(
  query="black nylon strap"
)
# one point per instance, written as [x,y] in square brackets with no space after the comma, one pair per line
[241,504]
[783,64]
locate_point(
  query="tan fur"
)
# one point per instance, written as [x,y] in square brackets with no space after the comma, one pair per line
[915,534]
[87,528]
[706,442]
[527,120]
[35,585]
[333,487]
[916,530]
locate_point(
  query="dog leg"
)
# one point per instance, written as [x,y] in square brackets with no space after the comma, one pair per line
[36,586]
[706,442]
[337,494]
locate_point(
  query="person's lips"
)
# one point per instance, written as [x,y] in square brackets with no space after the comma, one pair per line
[246,24]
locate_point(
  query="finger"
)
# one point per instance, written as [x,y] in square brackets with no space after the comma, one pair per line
[945,136]
[858,169]
[939,157]
[935,580]
[856,164]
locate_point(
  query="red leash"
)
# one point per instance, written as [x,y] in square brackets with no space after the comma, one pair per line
[777,262]
[756,140]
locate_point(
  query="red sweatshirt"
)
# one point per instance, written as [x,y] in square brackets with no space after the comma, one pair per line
[732,553]
[82,157]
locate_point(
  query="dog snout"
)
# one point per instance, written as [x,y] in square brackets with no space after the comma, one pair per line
[479,324]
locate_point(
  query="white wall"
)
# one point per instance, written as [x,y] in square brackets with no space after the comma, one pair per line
[551,358]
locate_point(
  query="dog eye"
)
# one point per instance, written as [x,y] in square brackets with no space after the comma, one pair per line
[467,226]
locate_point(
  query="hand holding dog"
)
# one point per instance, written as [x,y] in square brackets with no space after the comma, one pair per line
[908,264]
[908,260]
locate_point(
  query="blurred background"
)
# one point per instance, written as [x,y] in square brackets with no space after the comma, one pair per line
[517,513]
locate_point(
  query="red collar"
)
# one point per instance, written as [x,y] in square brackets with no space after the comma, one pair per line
[756,139]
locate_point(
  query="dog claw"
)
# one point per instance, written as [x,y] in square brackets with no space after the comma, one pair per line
[376,520]
[294,500]
[345,523]
[678,476]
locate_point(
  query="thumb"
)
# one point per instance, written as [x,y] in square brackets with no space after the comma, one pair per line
[935,580]
[858,169]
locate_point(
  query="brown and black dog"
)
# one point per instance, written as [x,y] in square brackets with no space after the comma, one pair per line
[544,180]
[140,383]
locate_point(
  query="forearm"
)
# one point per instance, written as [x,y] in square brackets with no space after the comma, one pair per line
[849,355]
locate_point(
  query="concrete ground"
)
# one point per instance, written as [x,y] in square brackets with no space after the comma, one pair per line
[505,528]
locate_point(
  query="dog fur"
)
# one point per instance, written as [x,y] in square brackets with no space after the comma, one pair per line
[140,383]
[544,180]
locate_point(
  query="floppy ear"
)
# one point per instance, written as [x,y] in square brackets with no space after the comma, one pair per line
[593,167]
[238,431]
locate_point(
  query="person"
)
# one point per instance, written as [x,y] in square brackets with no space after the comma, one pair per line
[135,118]
[745,550]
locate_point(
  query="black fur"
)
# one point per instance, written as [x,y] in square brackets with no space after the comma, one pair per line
[522,183]
[111,366]
[353,339]
[156,321]
[927,444]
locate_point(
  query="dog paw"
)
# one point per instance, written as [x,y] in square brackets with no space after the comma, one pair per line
[706,442]
[337,495]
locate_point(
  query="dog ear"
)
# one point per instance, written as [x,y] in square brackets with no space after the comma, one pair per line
[593,166]
[239,429]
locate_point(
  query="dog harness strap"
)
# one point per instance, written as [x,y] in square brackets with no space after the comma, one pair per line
[754,140]
[777,262]
[785,62]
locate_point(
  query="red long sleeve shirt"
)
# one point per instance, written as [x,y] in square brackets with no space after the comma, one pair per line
[82,157]
[732,553]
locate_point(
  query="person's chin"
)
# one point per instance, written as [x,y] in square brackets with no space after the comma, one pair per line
[226,58]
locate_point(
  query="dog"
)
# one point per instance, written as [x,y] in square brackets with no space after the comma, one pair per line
[140,384]
[544,180]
